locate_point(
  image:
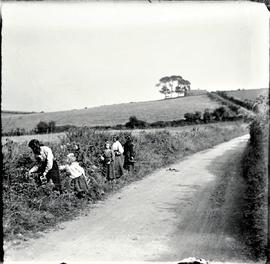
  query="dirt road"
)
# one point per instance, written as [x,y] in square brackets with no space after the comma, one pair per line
[147,220]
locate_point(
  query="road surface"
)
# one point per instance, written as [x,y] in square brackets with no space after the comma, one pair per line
[149,220]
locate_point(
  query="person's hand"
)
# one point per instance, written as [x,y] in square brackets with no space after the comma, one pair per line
[43,179]
[28,175]
[102,158]
[51,182]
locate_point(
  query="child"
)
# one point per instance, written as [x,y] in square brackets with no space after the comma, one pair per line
[107,159]
[77,174]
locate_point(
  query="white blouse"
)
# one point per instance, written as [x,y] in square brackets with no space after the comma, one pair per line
[45,155]
[74,169]
[116,146]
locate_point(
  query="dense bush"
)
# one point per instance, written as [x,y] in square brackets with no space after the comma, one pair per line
[221,114]
[232,106]
[253,222]
[28,209]
[194,118]
[43,127]
[207,116]
[134,122]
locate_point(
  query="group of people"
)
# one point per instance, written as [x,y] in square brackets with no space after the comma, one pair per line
[115,159]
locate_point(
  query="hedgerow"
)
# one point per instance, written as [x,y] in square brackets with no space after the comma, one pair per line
[248,104]
[253,223]
[29,209]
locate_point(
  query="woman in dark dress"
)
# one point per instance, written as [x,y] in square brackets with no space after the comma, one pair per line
[107,159]
[46,167]
[129,155]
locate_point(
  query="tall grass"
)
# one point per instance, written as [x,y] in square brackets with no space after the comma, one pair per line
[29,209]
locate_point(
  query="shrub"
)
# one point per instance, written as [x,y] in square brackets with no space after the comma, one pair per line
[253,223]
[42,127]
[248,104]
[207,117]
[135,123]
[221,113]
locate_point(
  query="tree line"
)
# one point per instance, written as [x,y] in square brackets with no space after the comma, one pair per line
[41,128]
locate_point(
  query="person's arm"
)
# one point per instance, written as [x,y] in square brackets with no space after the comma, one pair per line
[132,152]
[62,167]
[101,155]
[49,159]
[34,169]
[113,157]
[120,148]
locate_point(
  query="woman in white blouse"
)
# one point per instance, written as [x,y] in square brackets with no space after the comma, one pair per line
[46,167]
[118,150]
[77,175]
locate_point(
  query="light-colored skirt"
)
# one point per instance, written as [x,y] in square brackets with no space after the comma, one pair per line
[118,165]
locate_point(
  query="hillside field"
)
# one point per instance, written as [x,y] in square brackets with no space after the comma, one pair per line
[150,111]
[251,94]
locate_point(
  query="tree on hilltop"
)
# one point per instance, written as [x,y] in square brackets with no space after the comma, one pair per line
[164,90]
[173,84]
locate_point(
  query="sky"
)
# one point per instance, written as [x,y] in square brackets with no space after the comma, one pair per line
[60,56]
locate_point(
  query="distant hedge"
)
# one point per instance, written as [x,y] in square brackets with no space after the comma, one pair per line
[248,104]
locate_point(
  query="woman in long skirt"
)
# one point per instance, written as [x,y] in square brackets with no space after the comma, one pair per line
[47,167]
[107,159]
[129,155]
[119,159]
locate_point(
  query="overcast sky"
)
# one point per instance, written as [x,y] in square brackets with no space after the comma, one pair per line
[59,56]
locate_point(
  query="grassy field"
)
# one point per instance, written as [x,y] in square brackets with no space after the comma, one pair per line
[251,94]
[150,111]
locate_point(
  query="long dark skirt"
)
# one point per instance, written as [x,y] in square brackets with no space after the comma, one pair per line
[118,166]
[108,171]
[79,184]
[129,166]
[53,174]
